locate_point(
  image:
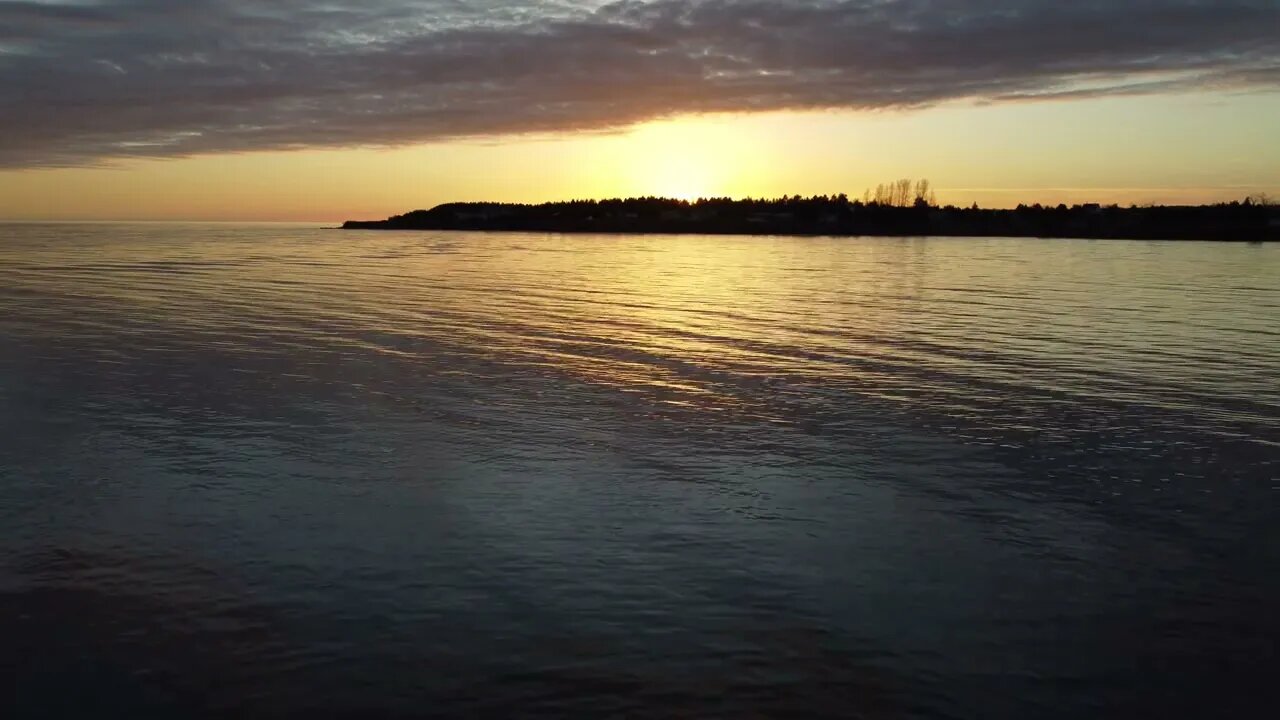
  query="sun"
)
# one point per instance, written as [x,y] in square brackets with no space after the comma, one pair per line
[683,178]
[680,159]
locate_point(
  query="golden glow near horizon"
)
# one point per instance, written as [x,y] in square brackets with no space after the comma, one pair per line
[1164,149]
[690,158]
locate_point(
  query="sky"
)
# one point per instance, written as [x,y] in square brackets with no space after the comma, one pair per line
[323,111]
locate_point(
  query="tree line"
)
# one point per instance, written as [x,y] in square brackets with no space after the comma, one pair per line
[901,207]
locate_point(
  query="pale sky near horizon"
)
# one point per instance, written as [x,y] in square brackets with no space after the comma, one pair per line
[424,101]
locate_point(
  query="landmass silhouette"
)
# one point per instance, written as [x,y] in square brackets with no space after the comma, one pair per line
[898,209]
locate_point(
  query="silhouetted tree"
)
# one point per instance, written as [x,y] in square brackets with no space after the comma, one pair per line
[925,196]
[902,193]
[895,208]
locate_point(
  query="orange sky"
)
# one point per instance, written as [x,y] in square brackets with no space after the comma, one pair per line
[1187,148]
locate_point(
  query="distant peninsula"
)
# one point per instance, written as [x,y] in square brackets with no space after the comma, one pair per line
[1249,220]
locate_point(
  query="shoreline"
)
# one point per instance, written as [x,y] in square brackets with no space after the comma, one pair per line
[361,225]
[825,216]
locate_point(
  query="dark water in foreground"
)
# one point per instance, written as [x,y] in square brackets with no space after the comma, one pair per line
[283,471]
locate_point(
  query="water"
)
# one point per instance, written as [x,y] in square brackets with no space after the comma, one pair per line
[271,470]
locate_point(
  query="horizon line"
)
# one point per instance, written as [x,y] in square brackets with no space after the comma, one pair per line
[1248,192]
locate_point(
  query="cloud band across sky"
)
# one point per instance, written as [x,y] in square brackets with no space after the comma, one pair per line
[85,81]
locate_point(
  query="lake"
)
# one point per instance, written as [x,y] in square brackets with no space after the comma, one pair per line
[283,470]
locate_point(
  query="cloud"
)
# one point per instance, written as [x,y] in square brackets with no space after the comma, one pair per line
[94,79]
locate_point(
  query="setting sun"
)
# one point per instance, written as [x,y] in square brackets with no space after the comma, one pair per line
[682,178]
[683,159]
[643,358]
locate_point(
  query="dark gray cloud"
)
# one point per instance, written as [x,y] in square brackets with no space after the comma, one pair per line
[82,80]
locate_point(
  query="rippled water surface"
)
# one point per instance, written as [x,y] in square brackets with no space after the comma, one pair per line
[268,470]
